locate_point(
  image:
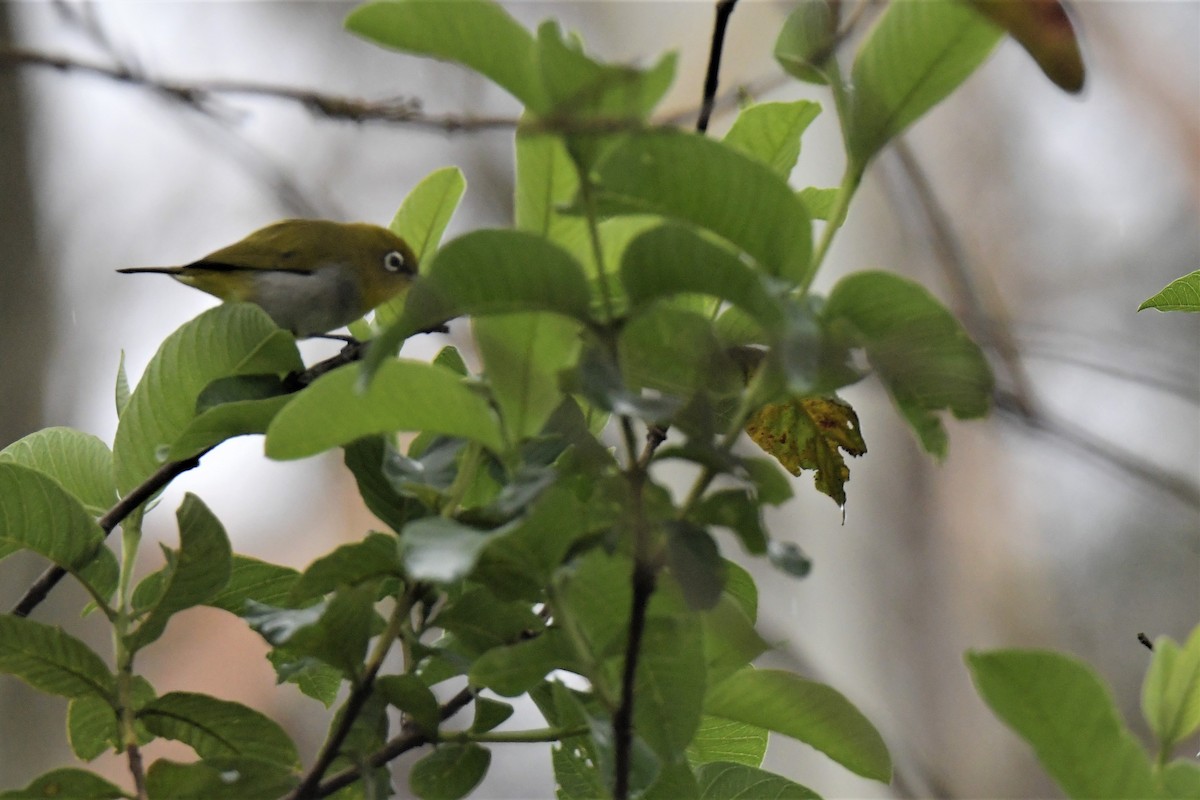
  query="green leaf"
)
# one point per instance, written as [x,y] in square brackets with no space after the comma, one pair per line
[79,462]
[348,565]
[1060,707]
[488,272]
[121,390]
[516,669]
[365,459]
[819,201]
[426,211]
[198,572]
[720,739]
[807,41]
[410,694]
[75,784]
[915,55]
[675,352]
[336,632]
[37,514]
[404,396]
[594,591]
[1181,780]
[480,621]
[810,712]
[1171,692]
[707,183]
[771,485]
[722,780]
[231,339]
[811,433]
[91,726]
[696,563]
[730,640]
[218,728]
[546,181]
[917,347]
[479,35]
[522,355]
[737,510]
[440,550]
[770,132]
[669,685]
[218,779]
[53,661]
[489,713]
[673,782]
[670,259]
[252,579]
[234,417]
[314,678]
[450,772]
[421,221]
[1182,294]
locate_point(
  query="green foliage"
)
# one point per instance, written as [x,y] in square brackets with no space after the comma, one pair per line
[1051,699]
[1181,294]
[655,286]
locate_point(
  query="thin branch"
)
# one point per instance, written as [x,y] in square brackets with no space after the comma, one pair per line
[134,755]
[712,74]
[41,587]
[410,738]
[1145,640]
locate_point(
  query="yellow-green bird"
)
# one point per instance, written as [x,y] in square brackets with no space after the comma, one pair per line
[310,276]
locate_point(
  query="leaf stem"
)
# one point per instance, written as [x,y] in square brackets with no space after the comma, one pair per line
[517,737]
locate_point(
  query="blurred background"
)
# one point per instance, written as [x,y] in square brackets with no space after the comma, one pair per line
[1070,519]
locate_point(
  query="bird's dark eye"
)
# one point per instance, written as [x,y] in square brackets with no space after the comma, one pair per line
[394,261]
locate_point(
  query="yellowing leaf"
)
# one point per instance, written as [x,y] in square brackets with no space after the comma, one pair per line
[810,433]
[1043,28]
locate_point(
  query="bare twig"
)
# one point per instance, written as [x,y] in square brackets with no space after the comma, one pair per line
[712,75]
[1145,640]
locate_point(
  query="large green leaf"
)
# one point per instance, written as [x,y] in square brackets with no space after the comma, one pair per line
[37,514]
[223,778]
[488,272]
[231,339]
[199,570]
[671,259]
[216,728]
[421,221]
[79,462]
[1059,706]
[53,661]
[710,184]
[404,396]
[670,684]
[810,712]
[348,565]
[76,784]
[807,41]
[522,356]
[719,739]
[721,780]
[440,550]
[917,53]
[252,579]
[475,33]
[770,132]
[449,772]
[919,350]
[1182,294]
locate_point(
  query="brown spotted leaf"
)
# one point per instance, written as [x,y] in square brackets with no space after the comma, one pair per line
[810,433]
[1044,29]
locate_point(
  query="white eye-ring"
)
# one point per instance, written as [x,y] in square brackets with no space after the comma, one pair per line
[394,261]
